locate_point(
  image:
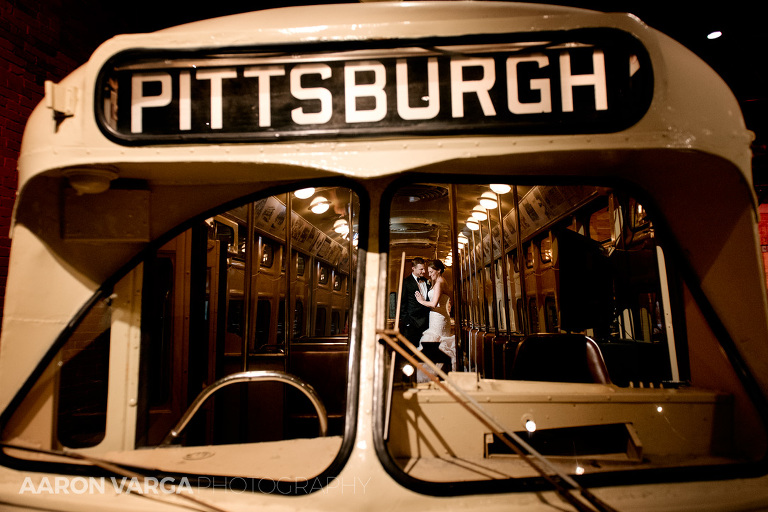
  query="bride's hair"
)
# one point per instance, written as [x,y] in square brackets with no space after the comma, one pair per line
[437,265]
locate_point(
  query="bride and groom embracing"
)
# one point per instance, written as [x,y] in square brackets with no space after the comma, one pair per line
[424,316]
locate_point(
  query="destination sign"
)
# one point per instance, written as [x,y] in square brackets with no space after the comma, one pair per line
[584,85]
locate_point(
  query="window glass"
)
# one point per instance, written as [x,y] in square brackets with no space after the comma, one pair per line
[323,273]
[298,320]
[207,312]
[600,225]
[592,315]
[545,250]
[84,370]
[320,321]
[268,255]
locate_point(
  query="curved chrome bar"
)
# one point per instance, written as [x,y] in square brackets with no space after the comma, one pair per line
[252,376]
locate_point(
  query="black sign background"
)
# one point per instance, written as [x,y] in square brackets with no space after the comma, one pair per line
[629,94]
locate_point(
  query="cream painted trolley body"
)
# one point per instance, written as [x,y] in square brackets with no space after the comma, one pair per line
[213,226]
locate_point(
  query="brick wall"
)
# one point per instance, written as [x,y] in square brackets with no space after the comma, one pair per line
[39,40]
[46,40]
[763,226]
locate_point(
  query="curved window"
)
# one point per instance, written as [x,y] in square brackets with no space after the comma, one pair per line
[268,255]
[207,313]
[84,379]
[590,366]
[323,275]
[298,319]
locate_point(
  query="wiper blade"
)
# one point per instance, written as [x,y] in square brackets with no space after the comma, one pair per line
[549,472]
[119,470]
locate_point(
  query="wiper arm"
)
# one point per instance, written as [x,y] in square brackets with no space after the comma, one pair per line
[120,470]
[522,448]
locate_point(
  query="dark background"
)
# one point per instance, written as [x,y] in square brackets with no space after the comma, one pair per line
[47,39]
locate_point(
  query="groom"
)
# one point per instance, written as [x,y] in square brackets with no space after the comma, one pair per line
[414,318]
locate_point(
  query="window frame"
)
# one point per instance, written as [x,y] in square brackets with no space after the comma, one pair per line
[106,289]
[683,278]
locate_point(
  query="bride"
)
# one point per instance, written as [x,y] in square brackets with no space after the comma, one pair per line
[438,342]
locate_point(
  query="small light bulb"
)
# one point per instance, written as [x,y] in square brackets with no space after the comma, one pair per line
[478,212]
[319,205]
[488,200]
[304,193]
[408,370]
[579,470]
[659,409]
[530,426]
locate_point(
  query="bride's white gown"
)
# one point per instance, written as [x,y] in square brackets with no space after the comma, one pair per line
[439,330]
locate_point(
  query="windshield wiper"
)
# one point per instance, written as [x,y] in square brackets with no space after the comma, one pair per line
[538,462]
[120,470]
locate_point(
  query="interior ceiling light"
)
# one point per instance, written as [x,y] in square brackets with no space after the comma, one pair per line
[500,188]
[714,35]
[488,200]
[319,205]
[472,224]
[462,238]
[341,226]
[304,193]
[478,213]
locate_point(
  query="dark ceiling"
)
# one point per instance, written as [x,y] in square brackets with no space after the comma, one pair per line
[738,56]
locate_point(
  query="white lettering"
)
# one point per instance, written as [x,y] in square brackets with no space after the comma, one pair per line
[96,485]
[596,79]
[122,483]
[375,90]
[139,102]
[92,485]
[61,484]
[183,485]
[264,74]
[135,485]
[216,76]
[27,485]
[150,483]
[45,486]
[185,101]
[433,92]
[459,87]
[79,485]
[537,84]
[311,93]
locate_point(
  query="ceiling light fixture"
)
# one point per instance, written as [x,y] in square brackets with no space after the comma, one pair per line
[478,213]
[488,200]
[500,188]
[304,193]
[319,205]
[341,227]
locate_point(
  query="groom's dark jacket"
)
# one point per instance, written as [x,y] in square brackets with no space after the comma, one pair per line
[414,318]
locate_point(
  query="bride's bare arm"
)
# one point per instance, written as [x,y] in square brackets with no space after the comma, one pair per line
[436,292]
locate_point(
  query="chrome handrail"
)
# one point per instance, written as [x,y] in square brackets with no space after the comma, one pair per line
[252,376]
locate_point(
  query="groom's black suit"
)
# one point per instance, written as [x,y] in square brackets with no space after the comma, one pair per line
[414,318]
